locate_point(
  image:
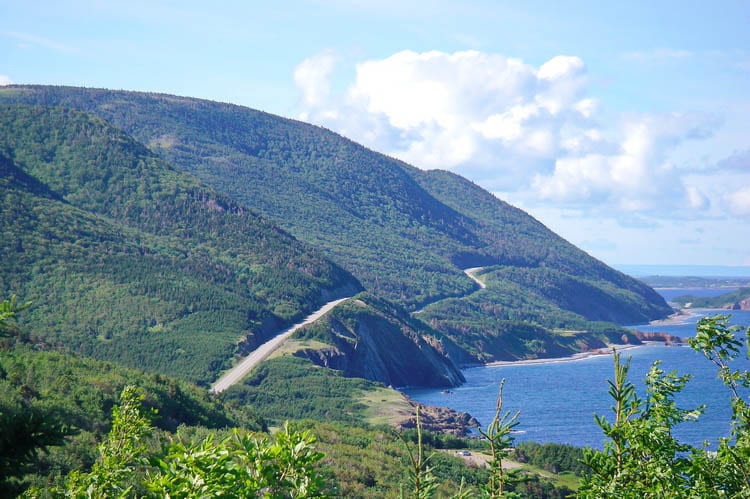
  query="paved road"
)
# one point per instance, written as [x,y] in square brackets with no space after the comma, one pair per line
[470,272]
[263,351]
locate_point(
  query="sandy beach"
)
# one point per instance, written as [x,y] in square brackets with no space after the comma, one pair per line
[679,317]
[571,358]
[682,316]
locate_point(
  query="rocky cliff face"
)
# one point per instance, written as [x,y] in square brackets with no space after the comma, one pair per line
[739,305]
[441,420]
[370,343]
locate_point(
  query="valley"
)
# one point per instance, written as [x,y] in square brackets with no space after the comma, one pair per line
[258,355]
[374,250]
[403,233]
[283,271]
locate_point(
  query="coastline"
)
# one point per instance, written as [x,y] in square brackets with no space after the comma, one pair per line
[570,358]
[682,316]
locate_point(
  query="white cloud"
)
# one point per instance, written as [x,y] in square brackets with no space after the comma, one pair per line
[514,127]
[695,198]
[638,176]
[739,201]
[4,80]
[560,67]
[312,76]
[450,90]
[507,126]
[443,110]
[587,107]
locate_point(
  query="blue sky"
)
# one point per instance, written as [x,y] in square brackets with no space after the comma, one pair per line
[621,125]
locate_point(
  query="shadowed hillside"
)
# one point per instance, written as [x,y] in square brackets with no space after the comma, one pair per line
[405,234]
[130,259]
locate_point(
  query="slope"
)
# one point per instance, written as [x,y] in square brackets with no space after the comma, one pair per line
[404,233]
[132,260]
[368,338]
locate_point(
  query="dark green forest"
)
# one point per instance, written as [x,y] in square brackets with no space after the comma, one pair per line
[129,259]
[404,233]
[726,300]
[149,241]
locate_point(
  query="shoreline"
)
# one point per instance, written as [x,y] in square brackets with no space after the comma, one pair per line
[571,358]
[682,316]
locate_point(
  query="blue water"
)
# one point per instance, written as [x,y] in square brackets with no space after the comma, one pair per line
[558,400]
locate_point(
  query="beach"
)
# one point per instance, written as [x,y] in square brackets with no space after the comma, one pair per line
[571,358]
[679,317]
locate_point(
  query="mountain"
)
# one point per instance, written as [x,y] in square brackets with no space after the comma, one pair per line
[130,259]
[127,258]
[404,233]
[369,338]
[733,300]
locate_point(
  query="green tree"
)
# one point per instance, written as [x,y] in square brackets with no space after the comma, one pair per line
[500,439]
[239,466]
[643,459]
[498,436]
[121,452]
[726,472]
[422,482]
[8,311]
[25,427]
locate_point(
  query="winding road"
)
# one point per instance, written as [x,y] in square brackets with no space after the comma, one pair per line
[470,272]
[258,355]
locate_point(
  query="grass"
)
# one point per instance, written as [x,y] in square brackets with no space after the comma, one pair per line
[291,346]
[564,479]
[385,406]
[477,458]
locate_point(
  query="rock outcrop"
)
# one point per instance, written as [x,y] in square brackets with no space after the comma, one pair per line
[739,305]
[379,344]
[441,420]
[668,339]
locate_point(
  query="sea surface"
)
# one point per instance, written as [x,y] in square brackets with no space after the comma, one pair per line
[558,400]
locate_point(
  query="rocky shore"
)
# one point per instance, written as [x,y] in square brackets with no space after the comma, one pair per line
[440,420]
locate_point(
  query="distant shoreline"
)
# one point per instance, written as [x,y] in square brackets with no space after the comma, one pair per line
[570,358]
[680,317]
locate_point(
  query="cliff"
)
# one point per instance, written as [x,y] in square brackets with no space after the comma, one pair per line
[366,339]
[739,305]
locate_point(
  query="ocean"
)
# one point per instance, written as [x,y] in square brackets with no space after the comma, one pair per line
[558,400]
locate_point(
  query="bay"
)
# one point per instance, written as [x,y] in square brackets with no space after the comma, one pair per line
[558,400]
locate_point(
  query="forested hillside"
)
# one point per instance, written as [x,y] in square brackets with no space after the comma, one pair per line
[127,258]
[736,300]
[369,338]
[403,232]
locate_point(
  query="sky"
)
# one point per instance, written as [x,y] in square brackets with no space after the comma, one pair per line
[622,126]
